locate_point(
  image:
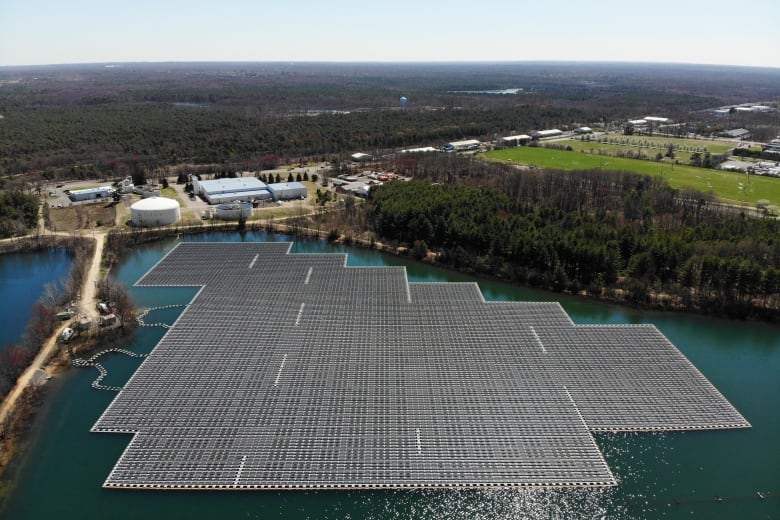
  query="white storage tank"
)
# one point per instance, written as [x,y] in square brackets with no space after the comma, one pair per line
[234,211]
[155,211]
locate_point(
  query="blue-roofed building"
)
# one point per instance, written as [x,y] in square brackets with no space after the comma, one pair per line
[218,191]
[287,190]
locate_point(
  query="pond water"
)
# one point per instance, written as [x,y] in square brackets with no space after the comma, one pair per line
[22,280]
[670,475]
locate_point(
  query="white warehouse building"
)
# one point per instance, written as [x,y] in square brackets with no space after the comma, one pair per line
[462,146]
[543,134]
[287,190]
[218,191]
[515,140]
[101,193]
[155,211]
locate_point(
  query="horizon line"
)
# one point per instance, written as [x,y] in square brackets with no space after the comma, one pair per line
[119,64]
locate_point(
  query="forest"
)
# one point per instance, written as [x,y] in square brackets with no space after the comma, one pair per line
[18,213]
[90,121]
[612,235]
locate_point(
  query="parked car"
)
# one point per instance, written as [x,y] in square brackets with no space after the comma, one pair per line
[67,333]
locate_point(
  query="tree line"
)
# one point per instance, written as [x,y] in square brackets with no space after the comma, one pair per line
[614,235]
[18,213]
[81,122]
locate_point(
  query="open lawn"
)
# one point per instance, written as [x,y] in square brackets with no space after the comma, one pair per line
[82,216]
[711,145]
[729,187]
[649,146]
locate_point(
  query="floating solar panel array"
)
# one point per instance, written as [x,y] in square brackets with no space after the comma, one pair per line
[293,371]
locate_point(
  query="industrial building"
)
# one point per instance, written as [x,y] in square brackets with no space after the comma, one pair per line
[543,134]
[773,147]
[295,371]
[737,133]
[287,190]
[155,211]
[245,189]
[360,157]
[515,140]
[101,193]
[658,120]
[423,149]
[753,108]
[462,146]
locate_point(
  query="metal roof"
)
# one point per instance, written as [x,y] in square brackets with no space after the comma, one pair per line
[468,142]
[217,186]
[293,371]
[239,195]
[100,189]
[286,186]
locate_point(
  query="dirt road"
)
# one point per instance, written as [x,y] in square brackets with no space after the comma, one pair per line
[87,306]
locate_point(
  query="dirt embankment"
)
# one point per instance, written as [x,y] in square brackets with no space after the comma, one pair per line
[19,402]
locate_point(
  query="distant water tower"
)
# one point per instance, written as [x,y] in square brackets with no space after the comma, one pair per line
[403,102]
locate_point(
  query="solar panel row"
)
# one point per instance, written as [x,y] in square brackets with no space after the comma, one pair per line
[294,371]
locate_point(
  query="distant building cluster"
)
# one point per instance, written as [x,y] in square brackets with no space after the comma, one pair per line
[770,169]
[648,121]
[724,111]
[773,147]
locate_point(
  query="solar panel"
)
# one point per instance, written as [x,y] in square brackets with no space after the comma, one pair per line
[293,371]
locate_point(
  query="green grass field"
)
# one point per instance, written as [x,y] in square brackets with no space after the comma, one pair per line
[650,146]
[729,187]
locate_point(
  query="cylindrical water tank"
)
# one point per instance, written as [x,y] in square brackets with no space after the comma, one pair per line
[234,211]
[155,211]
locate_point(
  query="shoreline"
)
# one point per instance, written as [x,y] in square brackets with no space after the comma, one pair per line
[14,416]
[18,407]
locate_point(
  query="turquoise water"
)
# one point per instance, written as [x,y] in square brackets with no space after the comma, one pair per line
[672,475]
[22,279]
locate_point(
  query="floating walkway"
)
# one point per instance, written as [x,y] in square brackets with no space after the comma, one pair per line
[92,362]
[292,371]
[141,317]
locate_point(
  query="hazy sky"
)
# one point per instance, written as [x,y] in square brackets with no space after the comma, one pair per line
[35,32]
